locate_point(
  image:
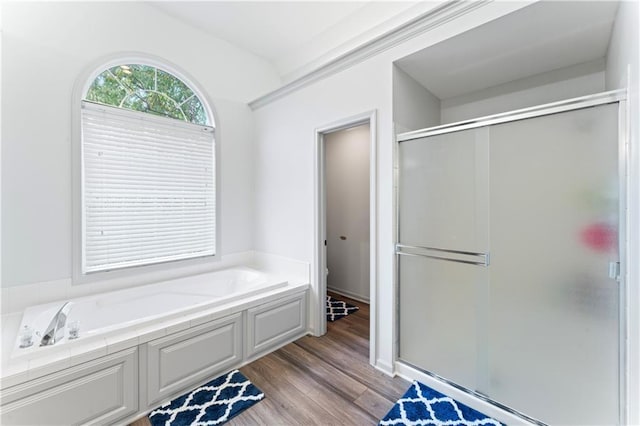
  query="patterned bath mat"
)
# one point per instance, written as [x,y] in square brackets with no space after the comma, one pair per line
[211,404]
[421,405]
[337,309]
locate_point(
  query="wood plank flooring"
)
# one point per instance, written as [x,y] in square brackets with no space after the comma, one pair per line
[321,380]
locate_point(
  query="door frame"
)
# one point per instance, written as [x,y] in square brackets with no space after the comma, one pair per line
[319,283]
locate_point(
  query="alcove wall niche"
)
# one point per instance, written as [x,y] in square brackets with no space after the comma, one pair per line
[545,52]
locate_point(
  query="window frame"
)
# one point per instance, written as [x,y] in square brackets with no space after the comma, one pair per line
[135,275]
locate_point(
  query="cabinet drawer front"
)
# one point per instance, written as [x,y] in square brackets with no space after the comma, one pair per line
[98,392]
[182,360]
[276,322]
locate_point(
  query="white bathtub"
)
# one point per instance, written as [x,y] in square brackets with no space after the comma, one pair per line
[146,345]
[107,313]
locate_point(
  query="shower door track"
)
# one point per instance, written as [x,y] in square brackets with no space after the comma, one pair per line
[518,114]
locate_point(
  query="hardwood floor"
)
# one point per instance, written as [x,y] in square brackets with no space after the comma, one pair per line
[321,380]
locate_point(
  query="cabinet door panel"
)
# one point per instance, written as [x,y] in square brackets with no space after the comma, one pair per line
[182,360]
[98,392]
[276,322]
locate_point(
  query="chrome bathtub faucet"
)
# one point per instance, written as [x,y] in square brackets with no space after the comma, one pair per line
[55,331]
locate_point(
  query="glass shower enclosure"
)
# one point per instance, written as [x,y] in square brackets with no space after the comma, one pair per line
[509,259]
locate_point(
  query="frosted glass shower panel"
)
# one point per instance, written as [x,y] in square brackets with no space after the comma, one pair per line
[442,191]
[439,312]
[553,317]
[443,228]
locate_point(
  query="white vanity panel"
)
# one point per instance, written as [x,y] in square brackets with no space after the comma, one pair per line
[273,323]
[177,361]
[102,391]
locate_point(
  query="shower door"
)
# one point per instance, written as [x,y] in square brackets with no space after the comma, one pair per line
[508,262]
[554,309]
[443,242]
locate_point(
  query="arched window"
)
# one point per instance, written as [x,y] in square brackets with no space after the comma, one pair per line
[147,89]
[148,170]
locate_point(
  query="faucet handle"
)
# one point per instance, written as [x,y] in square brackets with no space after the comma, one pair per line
[74,329]
[26,337]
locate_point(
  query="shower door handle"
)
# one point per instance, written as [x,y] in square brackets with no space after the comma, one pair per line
[459,256]
[614,271]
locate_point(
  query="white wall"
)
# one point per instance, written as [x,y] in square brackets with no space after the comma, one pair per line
[285,162]
[347,189]
[565,83]
[414,107]
[45,47]
[623,71]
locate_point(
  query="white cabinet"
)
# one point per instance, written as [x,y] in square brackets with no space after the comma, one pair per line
[182,360]
[97,392]
[271,324]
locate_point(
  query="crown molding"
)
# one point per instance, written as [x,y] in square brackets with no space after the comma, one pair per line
[412,28]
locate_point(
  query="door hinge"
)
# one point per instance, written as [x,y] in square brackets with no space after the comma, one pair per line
[614,271]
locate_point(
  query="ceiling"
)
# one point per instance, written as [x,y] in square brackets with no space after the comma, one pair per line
[542,37]
[275,30]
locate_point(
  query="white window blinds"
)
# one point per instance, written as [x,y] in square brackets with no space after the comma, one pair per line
[148,189]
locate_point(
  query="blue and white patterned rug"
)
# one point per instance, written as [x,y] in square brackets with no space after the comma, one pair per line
[211,404]
[337,309]
[421,405]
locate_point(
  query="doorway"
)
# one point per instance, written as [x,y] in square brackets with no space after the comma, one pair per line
[347,212]
[345,266]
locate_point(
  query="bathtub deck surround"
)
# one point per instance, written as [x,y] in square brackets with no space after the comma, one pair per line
[108,313]
[176,344]
[16,299]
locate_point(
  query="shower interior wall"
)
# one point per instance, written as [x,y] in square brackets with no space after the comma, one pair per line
[415,107]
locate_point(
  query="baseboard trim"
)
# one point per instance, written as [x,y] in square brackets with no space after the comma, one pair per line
[348,294]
